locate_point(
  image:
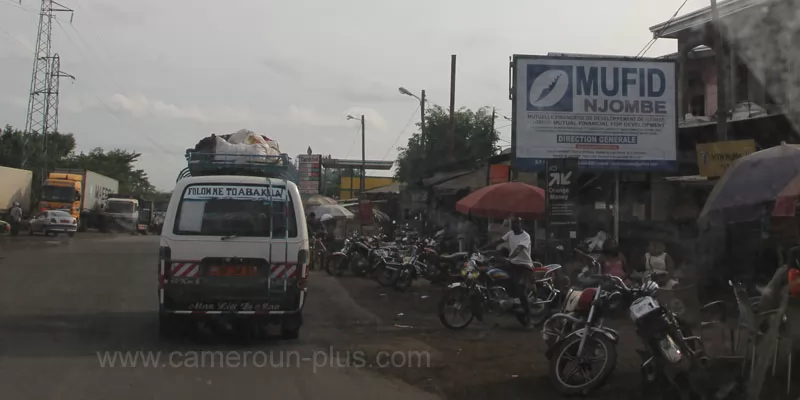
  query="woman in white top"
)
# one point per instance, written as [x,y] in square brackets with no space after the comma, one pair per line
[658,263]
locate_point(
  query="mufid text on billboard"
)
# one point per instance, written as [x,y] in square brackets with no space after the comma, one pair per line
[611,114]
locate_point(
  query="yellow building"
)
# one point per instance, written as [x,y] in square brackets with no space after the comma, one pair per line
[350,186]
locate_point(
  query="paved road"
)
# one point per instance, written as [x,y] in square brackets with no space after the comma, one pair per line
[64,302]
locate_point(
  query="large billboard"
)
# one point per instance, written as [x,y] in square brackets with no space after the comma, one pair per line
[309,168]
[611,114]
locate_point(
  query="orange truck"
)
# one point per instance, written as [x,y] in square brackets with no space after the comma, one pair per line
[82,193]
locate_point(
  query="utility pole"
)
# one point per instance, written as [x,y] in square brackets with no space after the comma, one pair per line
[451,133]
[722,82]
[42,113]
[363,174]
[422,121]
[363,156]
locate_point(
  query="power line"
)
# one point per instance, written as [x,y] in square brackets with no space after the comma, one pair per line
[156,146]
[353,143]
[14,4]
[411,118]
[16,39]
[652,41]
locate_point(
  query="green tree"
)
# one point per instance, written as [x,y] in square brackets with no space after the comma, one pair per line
[117,164]
[332,179]
[26,151]
[475,141]
[20,150]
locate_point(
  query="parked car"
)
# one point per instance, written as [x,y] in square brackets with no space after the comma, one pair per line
[55,222]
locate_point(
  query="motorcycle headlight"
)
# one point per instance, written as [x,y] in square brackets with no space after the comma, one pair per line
[670,350]
[470,270]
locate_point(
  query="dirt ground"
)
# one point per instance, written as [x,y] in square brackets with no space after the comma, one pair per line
[496,358]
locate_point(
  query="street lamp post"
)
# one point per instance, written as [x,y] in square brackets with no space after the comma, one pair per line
[421,99]
[363,168]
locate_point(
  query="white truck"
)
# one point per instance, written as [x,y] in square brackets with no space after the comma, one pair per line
[15,186]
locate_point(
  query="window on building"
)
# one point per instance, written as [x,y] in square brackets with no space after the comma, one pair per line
[697,105]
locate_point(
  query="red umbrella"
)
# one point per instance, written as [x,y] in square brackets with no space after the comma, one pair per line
[503,200]
[786,202]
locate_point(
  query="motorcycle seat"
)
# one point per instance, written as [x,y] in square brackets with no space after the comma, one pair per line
[552,267]
[545,271]
[454,256]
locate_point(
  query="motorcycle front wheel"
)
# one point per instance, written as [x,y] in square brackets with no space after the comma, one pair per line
[459,299]
[405,277]
[572,373]
[358,264]
[336,266]
[387,274]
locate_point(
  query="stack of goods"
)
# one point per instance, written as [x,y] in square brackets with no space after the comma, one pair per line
[241,147]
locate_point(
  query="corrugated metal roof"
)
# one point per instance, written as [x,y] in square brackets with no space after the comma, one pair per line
[440,177]
[702,16]
[473,180]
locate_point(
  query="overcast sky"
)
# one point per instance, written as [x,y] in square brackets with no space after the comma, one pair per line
[156,76]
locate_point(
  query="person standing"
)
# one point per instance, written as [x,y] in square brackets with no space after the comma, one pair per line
[465,233]
[612,260]
[16,218]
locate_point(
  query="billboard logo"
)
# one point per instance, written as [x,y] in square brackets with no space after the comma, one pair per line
[560,179]
[549,88]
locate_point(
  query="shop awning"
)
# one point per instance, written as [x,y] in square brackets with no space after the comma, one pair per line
[440,177]
[470,181]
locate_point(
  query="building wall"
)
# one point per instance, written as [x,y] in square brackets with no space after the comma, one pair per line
[371,182]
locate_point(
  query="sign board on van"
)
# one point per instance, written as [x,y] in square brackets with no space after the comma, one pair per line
[715,157]
[235,192]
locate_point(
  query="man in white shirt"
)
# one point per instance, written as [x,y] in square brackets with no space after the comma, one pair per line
[520,263]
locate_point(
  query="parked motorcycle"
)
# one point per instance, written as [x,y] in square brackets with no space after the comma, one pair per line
[414,266]
[577,335]
[319,252]
[481,289]
[675,364]
[443,267]
[341,261]
[360,255]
